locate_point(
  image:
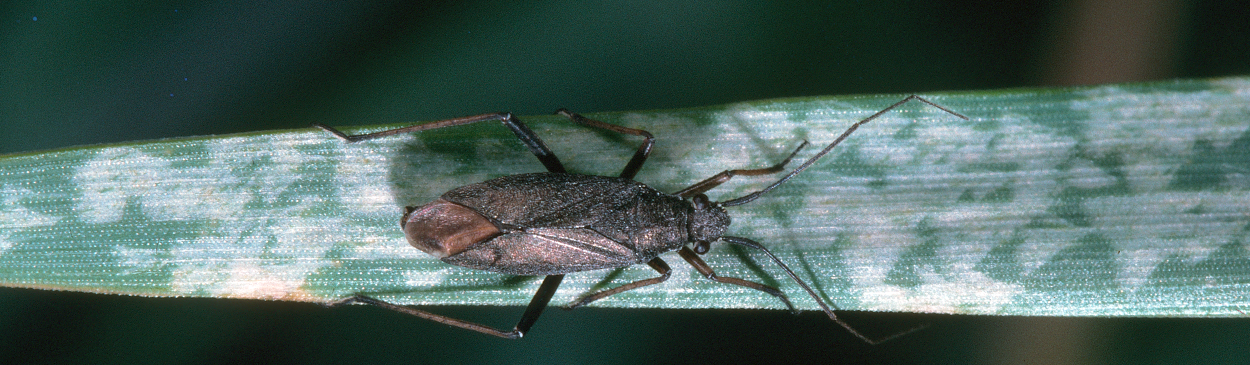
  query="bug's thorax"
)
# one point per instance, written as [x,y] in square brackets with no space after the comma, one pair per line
[708,220]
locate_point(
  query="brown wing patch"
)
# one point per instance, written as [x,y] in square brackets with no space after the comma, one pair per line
[443,228]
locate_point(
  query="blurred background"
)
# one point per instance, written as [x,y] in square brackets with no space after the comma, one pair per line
[78,72]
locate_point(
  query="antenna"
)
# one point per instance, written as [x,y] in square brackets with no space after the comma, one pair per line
[752,196]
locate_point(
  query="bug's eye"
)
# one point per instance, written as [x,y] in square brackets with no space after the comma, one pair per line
[701,247]
[699,201]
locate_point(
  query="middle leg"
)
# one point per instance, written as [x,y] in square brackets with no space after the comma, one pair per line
[640,156]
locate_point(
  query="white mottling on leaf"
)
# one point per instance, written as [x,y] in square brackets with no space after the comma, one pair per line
[362,174]
[249,279]
[420,279]
[138,260]
[271,259]
[14,215]
[113,177]
[949,295]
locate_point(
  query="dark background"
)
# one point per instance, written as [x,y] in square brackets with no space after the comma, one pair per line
[75,73]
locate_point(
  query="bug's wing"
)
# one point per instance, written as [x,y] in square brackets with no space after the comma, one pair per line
[595,216]
[546,251]
[549,199]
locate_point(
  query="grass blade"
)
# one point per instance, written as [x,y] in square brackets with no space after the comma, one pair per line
[1118,200]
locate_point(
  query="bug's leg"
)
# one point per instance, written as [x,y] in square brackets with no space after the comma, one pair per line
[656,263]
[527,136]
[535,308]
[702,268]
[723,176]
[640,156]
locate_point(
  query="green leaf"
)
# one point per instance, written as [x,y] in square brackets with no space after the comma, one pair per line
[1119,200]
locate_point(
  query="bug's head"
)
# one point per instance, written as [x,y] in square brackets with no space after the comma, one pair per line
[707,223]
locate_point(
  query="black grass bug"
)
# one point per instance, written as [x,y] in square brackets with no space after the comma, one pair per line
[554,223]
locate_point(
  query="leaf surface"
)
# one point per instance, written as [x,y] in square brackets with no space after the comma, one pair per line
[1116,200]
